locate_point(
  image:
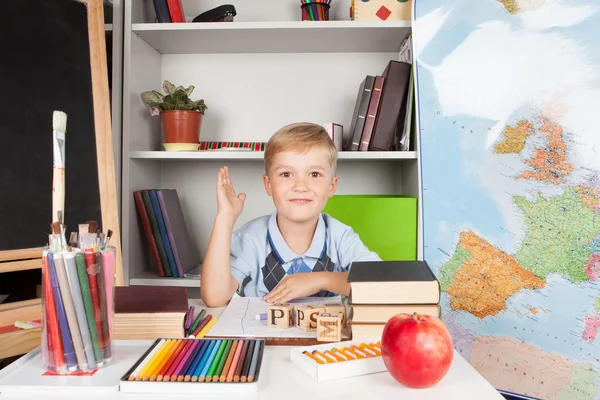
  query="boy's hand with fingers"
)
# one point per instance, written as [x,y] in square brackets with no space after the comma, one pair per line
[228,203]
[296,285]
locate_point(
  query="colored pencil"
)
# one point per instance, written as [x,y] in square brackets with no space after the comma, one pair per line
[145,374]
[56,357]
[217,373]
[88,307]
[189,371]
[228,361]
[240,364]
[315,358]
[189,317]
[67,341]
[216,361]
[67,299]
[206,328]
[164,359]
[138,369]
[90,264]
[206,362]
[236,359]
[171,359]
[197,321]
[108,262]
[190,350]
[106,349]
[254,365]
[201,325]
[200,365]
[247,361]
[334,355]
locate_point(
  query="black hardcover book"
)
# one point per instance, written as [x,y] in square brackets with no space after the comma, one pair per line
[360,113]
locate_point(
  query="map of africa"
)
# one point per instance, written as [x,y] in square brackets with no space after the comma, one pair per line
[508,97]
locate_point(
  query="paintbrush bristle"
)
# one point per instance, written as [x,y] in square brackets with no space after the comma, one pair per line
[92,226]
[59,121]
[56,228]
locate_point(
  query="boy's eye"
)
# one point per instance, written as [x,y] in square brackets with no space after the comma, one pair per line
[315,174]
[285,174]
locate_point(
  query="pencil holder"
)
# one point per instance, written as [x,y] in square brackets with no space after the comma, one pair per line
[77,309]
[315,11]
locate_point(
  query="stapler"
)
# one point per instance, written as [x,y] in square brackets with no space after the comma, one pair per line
[224,13]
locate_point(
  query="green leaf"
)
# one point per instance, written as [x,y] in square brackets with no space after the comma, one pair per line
[150,97]
[168,87]
[189,90]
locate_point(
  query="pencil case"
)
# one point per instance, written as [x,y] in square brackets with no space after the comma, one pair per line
[77,309]
[339,360]
[192,366]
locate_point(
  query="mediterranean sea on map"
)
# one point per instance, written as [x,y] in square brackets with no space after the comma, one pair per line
[508,97]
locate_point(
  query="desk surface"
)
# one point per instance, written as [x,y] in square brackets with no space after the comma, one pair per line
[280,378]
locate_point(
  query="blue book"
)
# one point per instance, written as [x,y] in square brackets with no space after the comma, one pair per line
[163,233]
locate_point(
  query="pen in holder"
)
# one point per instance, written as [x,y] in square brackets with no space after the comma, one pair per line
[315,10]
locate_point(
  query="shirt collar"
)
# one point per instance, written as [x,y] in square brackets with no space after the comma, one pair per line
[283,251]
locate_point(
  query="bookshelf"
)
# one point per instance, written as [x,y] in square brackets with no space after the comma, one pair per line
[263,71]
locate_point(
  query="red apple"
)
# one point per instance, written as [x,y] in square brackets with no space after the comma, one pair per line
[417,349]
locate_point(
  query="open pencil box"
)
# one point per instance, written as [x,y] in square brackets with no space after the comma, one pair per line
[192,366]
[349,359]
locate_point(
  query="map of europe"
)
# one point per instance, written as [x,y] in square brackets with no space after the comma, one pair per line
[507,97]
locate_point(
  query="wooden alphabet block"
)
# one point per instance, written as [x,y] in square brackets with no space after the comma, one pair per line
[306,317]
[337,308]
[329,327]
[280,315]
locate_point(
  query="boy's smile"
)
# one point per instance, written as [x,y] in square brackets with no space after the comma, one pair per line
[300,184]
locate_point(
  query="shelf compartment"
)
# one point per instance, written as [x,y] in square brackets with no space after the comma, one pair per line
[275,37]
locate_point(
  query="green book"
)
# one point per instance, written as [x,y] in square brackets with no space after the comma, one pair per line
[386,224]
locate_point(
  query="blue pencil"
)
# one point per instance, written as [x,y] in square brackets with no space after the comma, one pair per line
[198,367]
[62,317]
[202,349]
[203,367]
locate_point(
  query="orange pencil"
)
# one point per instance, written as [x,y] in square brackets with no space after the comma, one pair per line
[143,376]
[371,349]
[234,363]
[361,351]
[345,349]
[327,359]
[334,355]
[166,357]
[157,361]
[339,352]
[318,360]
[228,361]
[177,349]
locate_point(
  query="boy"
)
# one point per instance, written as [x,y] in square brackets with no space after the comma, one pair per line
[295,252]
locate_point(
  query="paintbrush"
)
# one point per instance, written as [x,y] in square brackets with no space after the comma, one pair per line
[59,128]
[108,236]
[92,226]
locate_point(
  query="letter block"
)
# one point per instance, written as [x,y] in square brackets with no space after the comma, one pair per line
[306,317]
[337,308]
[329,327]
[280,315]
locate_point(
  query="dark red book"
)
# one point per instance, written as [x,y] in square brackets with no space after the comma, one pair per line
[371,113]
[139,202]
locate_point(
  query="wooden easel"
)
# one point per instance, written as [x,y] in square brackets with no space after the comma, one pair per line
[20,342]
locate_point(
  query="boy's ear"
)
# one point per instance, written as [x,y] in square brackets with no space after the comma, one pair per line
[267,184]
[334,183]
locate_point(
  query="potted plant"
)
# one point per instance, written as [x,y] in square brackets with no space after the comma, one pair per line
[181,116]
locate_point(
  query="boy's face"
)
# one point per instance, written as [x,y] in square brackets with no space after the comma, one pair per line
[300,184]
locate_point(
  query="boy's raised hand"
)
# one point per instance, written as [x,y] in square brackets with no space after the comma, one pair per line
[227,201]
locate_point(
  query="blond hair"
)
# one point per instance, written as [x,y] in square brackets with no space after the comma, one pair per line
[300,137]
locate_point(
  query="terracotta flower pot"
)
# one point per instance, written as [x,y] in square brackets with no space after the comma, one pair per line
[180,126]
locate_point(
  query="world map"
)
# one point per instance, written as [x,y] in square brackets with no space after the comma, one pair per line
[507,102]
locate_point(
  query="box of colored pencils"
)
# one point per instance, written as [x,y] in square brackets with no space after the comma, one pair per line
[339,360]
[77,309]
[216,365]
[315,10]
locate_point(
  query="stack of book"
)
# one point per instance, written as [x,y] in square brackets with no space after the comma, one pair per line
[149,312]
[166,232]
[382,289]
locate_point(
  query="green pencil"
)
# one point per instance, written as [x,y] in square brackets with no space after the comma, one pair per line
[89,308]
[219,369]
[217,360]
[197,321]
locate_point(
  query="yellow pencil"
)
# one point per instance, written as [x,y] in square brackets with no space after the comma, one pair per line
[165,360]
[157,360]
[206,328]
[151,361]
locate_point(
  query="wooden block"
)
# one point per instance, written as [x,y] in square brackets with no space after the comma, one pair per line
[280,315]
[306,317]
[329,327]
[337,308]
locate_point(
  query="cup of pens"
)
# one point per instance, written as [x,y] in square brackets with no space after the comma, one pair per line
[77,306]
[315,10]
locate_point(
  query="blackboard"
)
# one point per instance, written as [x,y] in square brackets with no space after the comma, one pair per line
[54,58]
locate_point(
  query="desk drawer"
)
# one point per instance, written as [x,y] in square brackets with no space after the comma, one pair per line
[20,341]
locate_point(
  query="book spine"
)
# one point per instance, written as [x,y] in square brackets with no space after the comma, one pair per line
[139,202]
[371,113]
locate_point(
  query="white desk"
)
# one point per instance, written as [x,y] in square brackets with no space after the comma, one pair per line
[279,378]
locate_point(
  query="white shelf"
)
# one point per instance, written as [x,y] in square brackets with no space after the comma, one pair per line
[150,278]
[258,155]
[275,37]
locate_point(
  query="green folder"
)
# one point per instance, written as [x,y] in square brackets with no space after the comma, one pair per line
[386,224]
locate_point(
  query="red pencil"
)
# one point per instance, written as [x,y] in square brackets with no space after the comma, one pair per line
[52,333]
[90,265]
